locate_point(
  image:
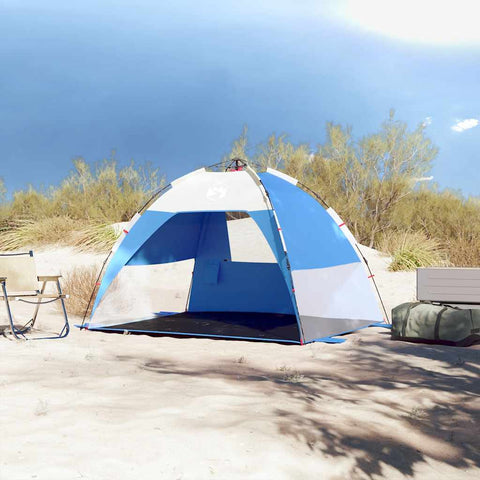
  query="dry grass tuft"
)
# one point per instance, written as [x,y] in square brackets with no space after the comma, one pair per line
[79,284]
[33,233]
[464,249]
[63,231]
[411,250]
[99,238]
[290,375]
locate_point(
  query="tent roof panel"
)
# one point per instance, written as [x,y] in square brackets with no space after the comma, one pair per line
[212,191]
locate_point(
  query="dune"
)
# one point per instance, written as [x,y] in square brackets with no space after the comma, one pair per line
[109,406]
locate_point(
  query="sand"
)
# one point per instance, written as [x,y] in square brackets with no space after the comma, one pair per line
[108,406]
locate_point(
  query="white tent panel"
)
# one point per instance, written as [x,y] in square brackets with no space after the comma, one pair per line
[212,191]
[315,328]
[283,176]
[179,180]
[336,292]
[353,242]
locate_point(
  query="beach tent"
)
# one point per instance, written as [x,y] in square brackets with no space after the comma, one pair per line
[175,271]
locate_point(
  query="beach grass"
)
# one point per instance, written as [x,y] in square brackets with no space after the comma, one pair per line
[60,231]
[411,250]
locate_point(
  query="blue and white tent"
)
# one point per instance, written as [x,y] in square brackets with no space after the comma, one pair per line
[182,267]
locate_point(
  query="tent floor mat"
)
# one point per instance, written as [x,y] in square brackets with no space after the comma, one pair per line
[246,325]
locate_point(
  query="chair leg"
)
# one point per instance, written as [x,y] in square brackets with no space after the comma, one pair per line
[66,327]
[14,331]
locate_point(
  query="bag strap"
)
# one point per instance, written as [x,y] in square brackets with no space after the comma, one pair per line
[473,330]
[437,323]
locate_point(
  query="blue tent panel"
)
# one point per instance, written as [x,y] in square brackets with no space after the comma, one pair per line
[241,287]
[176,240]
[213,242]
[211,270]
[313,239]
[268,225]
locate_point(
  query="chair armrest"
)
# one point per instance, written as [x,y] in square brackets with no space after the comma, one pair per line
[40,295]
[46,278]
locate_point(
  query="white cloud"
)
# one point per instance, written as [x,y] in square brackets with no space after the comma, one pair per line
[427,121]
[465,124]
[423,179]
[438,22]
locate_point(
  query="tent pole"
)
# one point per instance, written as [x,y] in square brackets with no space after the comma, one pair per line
[190,288]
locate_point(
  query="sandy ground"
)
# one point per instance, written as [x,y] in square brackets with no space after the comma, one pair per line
[108,406]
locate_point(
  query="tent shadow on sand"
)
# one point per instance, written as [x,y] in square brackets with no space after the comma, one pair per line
[392,434]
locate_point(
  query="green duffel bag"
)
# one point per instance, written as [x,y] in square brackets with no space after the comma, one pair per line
[429,323]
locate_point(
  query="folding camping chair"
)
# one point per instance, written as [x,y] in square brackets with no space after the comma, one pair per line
[19,281]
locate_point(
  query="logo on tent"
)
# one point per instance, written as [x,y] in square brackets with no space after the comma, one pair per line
[216,192]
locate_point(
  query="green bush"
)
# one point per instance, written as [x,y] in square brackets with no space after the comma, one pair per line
[446,216]
[410,250]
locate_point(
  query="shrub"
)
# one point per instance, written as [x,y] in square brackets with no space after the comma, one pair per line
[446,216]
[464,250]
[104,193]
[100,193]
[79,211]
[411,250]
[79,284]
